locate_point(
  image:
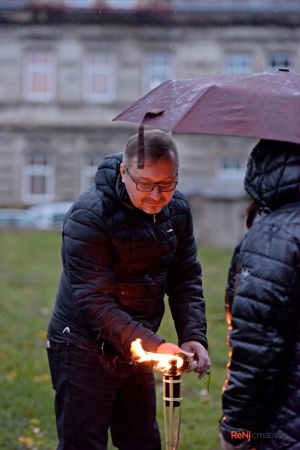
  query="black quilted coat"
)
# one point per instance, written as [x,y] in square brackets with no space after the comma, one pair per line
[262,394]
[119,262]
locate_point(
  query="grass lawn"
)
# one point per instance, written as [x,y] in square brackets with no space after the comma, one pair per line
[29,273]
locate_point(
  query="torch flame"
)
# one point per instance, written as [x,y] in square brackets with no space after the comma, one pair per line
[161,361]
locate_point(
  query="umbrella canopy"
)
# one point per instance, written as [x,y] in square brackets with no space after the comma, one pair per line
[259,105]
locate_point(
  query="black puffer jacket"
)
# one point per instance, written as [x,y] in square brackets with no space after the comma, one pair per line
[262,394]
[119,262]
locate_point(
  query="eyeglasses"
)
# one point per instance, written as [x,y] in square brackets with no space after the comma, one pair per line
[149,187]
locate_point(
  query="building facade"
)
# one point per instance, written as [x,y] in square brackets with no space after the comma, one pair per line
[68,67]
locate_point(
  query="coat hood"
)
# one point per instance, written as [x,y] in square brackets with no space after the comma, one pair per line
[108,178]
[273,174]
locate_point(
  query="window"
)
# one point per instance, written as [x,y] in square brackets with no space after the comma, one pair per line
[89,168]
[279,61]
[157,69]
[39,76]
[231,168]
[99,77]
[13,4]
[80,3]
[38,178]
[121,3]
[237,63]
[189,5]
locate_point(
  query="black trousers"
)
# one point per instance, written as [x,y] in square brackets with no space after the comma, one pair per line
[91,398]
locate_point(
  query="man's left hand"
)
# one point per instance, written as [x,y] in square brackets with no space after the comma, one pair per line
[201,363]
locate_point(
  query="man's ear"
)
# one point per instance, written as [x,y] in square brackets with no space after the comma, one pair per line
[122,172]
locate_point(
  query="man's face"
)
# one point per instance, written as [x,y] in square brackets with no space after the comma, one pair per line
[162,172]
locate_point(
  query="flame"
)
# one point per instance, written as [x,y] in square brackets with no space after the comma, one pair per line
[161,361]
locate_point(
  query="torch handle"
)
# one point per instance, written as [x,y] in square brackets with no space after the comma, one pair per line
[172,409]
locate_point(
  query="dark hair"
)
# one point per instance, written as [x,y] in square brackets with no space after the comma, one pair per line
[157,144]
[251,212]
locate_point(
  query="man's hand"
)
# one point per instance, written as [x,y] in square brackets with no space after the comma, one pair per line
[201,362]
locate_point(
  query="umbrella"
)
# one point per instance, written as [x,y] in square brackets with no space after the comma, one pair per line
[263,105]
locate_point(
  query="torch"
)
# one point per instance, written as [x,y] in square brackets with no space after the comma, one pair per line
[172,383]
[172,366]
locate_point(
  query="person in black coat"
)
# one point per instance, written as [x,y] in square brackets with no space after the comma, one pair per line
[127,242]
[261,396]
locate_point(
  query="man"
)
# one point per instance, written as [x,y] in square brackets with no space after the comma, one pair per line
[261,398]
[127,241]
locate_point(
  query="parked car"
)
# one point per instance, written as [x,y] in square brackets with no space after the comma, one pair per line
[16,218]
[50,216]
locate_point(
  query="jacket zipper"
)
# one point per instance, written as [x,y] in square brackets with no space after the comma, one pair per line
[154,218]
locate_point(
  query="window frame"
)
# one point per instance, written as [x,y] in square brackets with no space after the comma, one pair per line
[32,169]
[151,68]
[287,56]
[231,65]
[80,3]
[35,72]
[121,4]
[227,172]
[91,70]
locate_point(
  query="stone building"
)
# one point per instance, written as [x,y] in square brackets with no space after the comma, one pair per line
[68,67]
